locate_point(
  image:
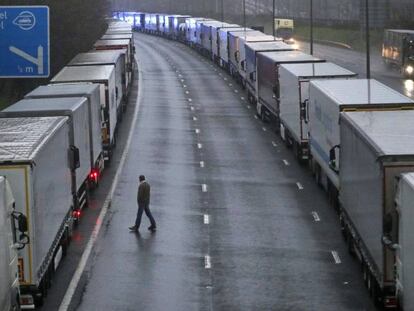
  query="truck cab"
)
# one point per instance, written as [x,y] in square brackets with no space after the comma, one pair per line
[408,55]
[284,29]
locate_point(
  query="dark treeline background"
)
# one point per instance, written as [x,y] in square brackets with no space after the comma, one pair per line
[74,26]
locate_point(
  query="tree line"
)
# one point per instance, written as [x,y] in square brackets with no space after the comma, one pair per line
[74,26]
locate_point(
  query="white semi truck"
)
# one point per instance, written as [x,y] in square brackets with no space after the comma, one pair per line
[376,202]
[36,158]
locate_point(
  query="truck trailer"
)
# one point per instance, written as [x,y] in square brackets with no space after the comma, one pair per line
[294,99]
[248,65]
[376,148]
[77,111]
[95,94]
[398,50]
[224,61]
[267,79]
[36,158]
[215,39]
[122,75]
[327,100]
[9,276]
[105,45]
[105,76]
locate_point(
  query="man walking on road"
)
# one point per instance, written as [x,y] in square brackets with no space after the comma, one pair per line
[143,205]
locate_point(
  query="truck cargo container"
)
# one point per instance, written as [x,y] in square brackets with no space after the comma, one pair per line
[398,50]
[122,77]
[104,75]
[267,79]
[249,63]
[103,45]
[376,147]
[235,42]
[139,23]
[327,100]
[241,53]
[95,94]
[294,97]
[405,250]
[215,39]
[198,32]
[191,34]
[9,277]
[119,36]
[178,25]
[207,36]
[77,110]
[162,24]
[224,44]
[36,158]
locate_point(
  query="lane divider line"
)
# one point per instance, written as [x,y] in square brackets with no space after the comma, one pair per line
[316,216]
[336,257]
[274,144]
[204,188]
[64,306]
[206,219]
[197,131]
[286,162]
[195,119]
[199,146]
[207,262]
[202,164]
[264,129]
[300,186]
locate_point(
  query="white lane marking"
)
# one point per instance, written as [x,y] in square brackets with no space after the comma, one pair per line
[248,107]
[199,146]
[182,80]
[187,92]
[191,108]
[236,91]
[206,219]
[190,100]
[225,79]
[202,164]
[194,118]
[274,144]
[300,187]
[256,117]
[316,216]
[197,131]
[242,98]
[204,188]
[207,262]
[180,75]
[184,86]
[230,84]
[264,129]
[286,162]
[64,306]
[336,257]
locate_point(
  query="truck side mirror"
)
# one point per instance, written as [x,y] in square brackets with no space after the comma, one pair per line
[74,157]
[252,76]
[332,159]
[242,65]
[134,50]
[22,223]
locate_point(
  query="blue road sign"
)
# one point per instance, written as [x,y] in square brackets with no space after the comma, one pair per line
[24,42]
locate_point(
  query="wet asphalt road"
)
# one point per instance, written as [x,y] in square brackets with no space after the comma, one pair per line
[241,225]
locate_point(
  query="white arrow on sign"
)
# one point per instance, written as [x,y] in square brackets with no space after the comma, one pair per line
[37,61]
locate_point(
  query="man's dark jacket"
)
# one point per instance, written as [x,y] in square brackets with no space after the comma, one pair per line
[144,193]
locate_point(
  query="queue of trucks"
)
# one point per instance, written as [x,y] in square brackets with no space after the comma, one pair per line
[54,146]
[355,135]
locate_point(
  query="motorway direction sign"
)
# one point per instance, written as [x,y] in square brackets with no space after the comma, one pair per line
[24,42]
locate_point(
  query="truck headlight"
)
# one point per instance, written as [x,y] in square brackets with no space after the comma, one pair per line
[409,69]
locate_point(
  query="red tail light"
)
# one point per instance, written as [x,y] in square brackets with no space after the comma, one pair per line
[76,214]
[94,175]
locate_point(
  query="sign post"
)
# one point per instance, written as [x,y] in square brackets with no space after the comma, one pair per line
[24,42]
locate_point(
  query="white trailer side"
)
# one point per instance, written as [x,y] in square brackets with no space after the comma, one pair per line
[294,97]
[104,75]
[376,147]
[35,157]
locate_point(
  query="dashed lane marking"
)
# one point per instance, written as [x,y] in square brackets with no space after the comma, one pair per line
[264,129]
[206,219]
[236,91]
[248,107]
[336,257]
[195,119]
[242,98]
[316,216]
[274,144]
[207,262]
[202,164]
[286,162]
[256,117]
[199,146]
[300,187]
[187,92]
[204,188]
[197,131]
[192,108]
[190,100]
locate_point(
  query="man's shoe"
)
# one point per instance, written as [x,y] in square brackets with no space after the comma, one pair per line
[151,228]
[133,228]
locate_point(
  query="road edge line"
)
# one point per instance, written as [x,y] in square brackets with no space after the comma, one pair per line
[70,292]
